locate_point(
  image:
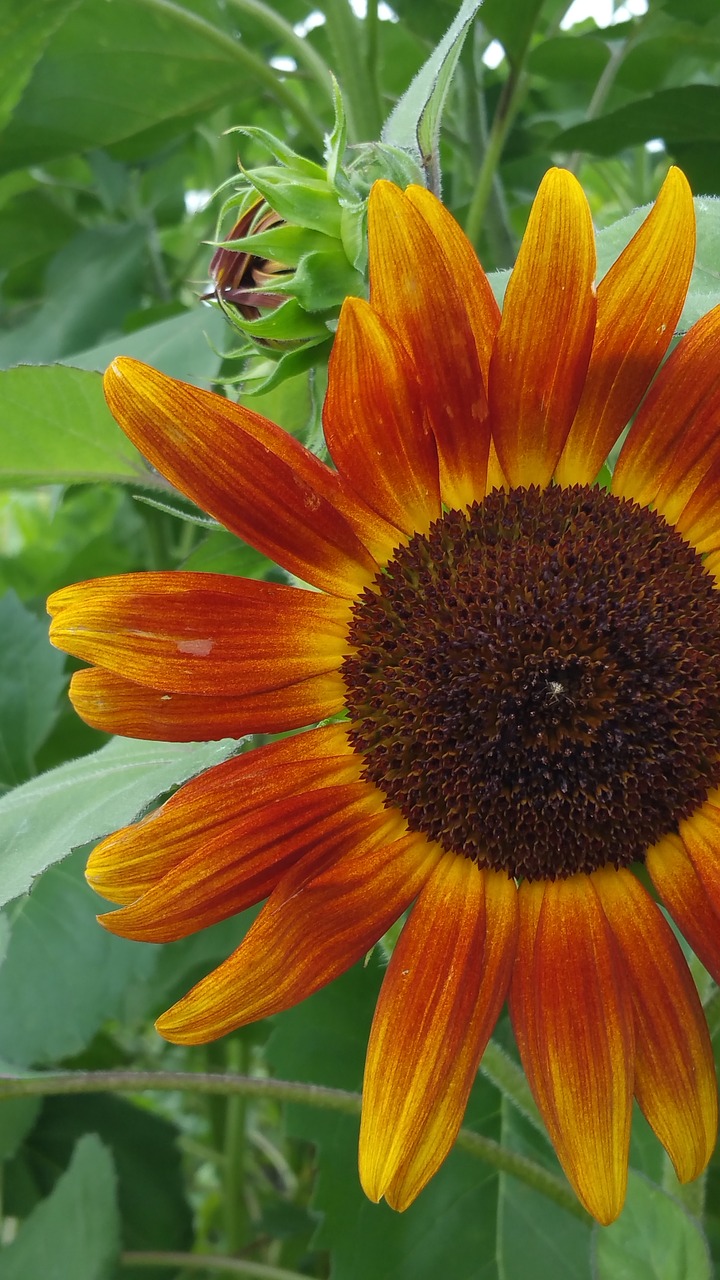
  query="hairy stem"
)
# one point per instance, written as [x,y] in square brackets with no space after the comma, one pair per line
[314,1095]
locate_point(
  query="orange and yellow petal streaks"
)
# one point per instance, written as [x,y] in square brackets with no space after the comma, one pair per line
[572,1013]
[543,344]
[201,633]
[115,705]
[441,996]
[312,928]
[209,810]
[255,478]
[674,1068]
[413,286]
[639,303]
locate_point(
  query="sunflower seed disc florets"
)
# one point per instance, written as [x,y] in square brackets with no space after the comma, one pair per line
[536,682]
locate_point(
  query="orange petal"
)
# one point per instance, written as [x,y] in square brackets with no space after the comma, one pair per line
[572,1015]
[674,1067]
[439,1002]
[201,632]
[675,439]
[683,893]
[256,479]
[639,303]
[477,294]
[208,810]
[414,287]
[543,345]
[114,705]
[374,421]
[247,861]
[700,835]
[310,931]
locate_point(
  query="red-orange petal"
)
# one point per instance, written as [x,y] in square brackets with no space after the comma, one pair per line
[374,421]
[675,439]
[639,303]
[114,705]
[572,1014]
[201,632]
[679,886]
[479,299]
[674,1067]
[311,930]
[245,863]
[255,478]
[543,344]
[700,835]
[208,811]
[439,1002]
[414,287]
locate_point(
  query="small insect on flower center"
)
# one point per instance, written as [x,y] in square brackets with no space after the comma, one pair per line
[536,682]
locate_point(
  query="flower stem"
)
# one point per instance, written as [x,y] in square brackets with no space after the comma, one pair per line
[208,1262]
[510,1079]
[359,86]
[507,106]
[314,1095]
[302,51]
[252,64]
[235,1208]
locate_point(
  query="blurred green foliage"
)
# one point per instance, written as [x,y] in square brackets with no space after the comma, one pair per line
[114,120]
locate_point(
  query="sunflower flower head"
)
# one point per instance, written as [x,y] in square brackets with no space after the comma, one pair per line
[518,671]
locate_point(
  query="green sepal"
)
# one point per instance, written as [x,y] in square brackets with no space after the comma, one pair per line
[323,279]
[296,163]
[285,243]
[289,323]
[309,201]
[292,363]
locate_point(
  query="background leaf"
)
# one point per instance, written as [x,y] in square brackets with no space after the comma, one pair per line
[32,677]
[43,820]
[58,429]
[75,1231]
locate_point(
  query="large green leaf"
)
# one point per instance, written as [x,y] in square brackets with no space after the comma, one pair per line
[187,346]
[63,974]
[57,429]
[31,681]
[43,820]
[24,31]
[75,1232]
[153,1207]
[684,114]
[451,1229]
[653,1239]
[117,70]
[91,283]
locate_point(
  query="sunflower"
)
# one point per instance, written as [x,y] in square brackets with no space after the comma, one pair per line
[518,671]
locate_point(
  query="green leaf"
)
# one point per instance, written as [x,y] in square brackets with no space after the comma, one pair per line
[31,681]
[451,1229]
[653,1239]
[117,70]
[512,24]
[43,820]
[57,429]
[91,283]
[414,124]
[535,1237]
[154,1211]
[63,975]
[685,114]
[17,1117]
[75,1232]
[186,346]
[24,32]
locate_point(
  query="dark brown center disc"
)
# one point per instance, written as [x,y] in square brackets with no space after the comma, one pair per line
[536,682]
